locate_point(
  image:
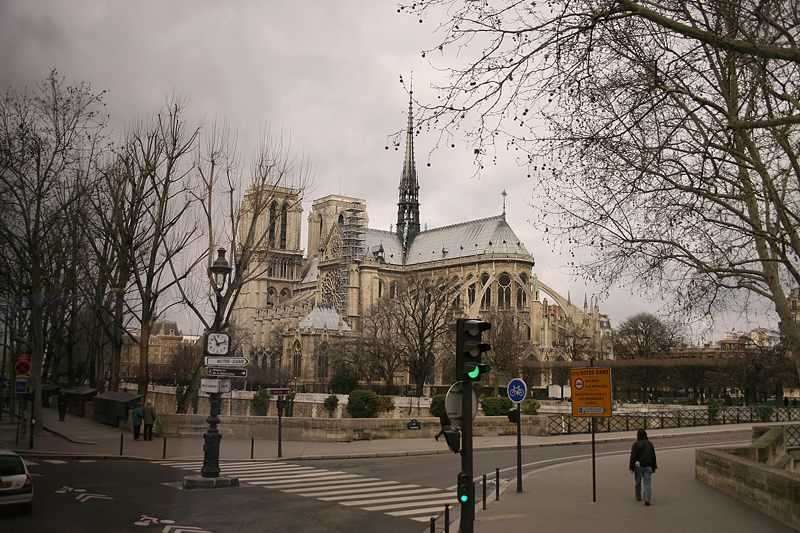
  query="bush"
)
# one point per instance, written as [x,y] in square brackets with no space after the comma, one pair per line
[437,405]
[495,406]
[530,407]
[714,407]
[344,380]
[330,404]
[362,404]
[385,404]
[764,413]
[260,403]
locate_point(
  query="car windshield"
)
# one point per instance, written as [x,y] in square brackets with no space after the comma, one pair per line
[11,466]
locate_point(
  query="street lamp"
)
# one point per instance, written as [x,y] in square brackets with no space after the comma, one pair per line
[220,270]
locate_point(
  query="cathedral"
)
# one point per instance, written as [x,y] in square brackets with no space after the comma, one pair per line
[292,315]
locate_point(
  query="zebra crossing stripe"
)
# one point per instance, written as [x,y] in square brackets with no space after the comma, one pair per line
[396,499]
[354,489]
[277,484]
[281,470]
[429,511]
[380,494]
[442,501]
[340,484]
[300,476]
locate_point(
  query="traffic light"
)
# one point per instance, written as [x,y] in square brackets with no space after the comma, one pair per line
[513,415]
[453,438]
[464,487]
[469,347]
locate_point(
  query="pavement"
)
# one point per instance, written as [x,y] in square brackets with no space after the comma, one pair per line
[555,497]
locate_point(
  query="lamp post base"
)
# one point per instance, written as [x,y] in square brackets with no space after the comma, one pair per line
[211,439]
[199,482]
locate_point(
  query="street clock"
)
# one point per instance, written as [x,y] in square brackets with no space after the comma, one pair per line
[217,343]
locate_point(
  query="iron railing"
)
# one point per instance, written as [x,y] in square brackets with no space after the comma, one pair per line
[564,424]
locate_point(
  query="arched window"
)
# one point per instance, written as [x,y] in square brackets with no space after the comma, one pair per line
[275,361]
[504,291]
[471,294]
[272,296]
[457,303]
[486,301]
[521,298]
[297,360]
[528,331]
[284,218]
[381,288]
[393,289]
[322,361]
[285,294]
[273,221]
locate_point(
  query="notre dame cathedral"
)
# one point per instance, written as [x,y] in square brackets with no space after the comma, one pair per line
[304,302]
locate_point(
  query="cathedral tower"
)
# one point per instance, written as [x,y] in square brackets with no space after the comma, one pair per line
[408,203]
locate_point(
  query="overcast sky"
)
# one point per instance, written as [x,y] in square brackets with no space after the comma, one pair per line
[326,71]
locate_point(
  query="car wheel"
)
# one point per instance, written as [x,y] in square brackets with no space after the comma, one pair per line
[25,508]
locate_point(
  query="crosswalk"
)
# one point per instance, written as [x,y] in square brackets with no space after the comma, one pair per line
[394,498]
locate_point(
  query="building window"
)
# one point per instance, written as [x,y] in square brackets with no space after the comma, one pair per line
[504,291]
[322,361]
[285,295]
[521,298]
[284,219]
[273,221]
[471,294]
[297,360]
[272,296]
[486,300]
[393,289]
[380,288]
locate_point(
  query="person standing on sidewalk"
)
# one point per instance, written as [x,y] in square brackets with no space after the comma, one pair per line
[149,416]
[444,420]
[136,419]
[62,406]
[643,464]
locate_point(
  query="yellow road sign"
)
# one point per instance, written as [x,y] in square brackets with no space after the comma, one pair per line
[591,391]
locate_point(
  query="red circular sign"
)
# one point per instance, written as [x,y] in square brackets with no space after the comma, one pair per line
[579,383]
[23,368]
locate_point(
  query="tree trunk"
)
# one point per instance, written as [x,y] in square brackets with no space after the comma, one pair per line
[144,356]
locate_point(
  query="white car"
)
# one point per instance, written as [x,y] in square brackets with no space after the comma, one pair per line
[16,484]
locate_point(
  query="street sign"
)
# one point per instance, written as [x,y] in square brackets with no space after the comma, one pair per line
[226,372]
[283,391]
[21,386]
[517,390]
[452,403]
[227,361]
[591,391]
[22,367]
[212,385]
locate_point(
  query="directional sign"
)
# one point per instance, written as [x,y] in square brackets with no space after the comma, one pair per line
[591,391]
[452,403]
[275,391]
[227,361]
[214,385]
[517,390]
[226,372]
[21,386]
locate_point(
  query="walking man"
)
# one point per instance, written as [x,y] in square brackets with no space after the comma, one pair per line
[444,420]
[149,416]
[136,419]
[643,464]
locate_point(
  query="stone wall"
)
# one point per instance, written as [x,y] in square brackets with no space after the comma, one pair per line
[337,429]
[757,475]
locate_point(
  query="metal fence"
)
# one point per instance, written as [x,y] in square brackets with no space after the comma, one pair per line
[564,424]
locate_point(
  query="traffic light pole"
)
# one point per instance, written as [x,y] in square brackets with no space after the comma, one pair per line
[519,447]
[467,508]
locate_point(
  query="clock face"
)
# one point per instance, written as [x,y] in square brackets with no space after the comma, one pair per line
[217,343]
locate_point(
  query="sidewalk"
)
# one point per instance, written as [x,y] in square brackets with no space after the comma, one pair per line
[555,498]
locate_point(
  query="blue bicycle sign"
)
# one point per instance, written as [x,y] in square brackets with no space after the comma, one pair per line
[517,390]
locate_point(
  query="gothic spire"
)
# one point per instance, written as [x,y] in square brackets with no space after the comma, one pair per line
[408,202]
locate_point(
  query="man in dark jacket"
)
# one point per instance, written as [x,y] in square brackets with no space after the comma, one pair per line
[643,464]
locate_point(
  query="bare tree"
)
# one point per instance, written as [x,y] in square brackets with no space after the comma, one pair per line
[377,354]
[50,138]
[242,219]
[663,134]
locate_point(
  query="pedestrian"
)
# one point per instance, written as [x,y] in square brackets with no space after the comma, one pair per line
[444,420]
[149,416]
[643,464]
[62,406]
[136,419]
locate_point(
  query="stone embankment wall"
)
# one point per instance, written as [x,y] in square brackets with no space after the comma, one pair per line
[762,475]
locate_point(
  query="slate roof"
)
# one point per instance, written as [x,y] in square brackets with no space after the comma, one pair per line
[490,235]
[324,318]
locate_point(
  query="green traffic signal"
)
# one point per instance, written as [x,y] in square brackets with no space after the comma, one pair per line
[463,498]
[474,371]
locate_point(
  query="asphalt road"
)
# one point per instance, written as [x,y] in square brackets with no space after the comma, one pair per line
[122,496]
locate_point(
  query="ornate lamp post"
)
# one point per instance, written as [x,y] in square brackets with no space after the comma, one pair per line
[220,270]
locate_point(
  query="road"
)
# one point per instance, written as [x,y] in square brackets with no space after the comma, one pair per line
[301,496]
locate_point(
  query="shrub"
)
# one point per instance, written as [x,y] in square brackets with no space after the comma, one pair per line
[764,413]
[385,404]
[713,410]
[530,407]
[362,404]
[260,403]
[344,380]
[437,405]
[495,406]
[330,404]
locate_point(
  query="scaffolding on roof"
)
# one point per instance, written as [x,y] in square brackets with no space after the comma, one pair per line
[353,228]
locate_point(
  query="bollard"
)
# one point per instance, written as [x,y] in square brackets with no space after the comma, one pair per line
[252,446]
[484,492]
[164,452]
[433,524]
[446,519]
[496,484]
[121,437]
